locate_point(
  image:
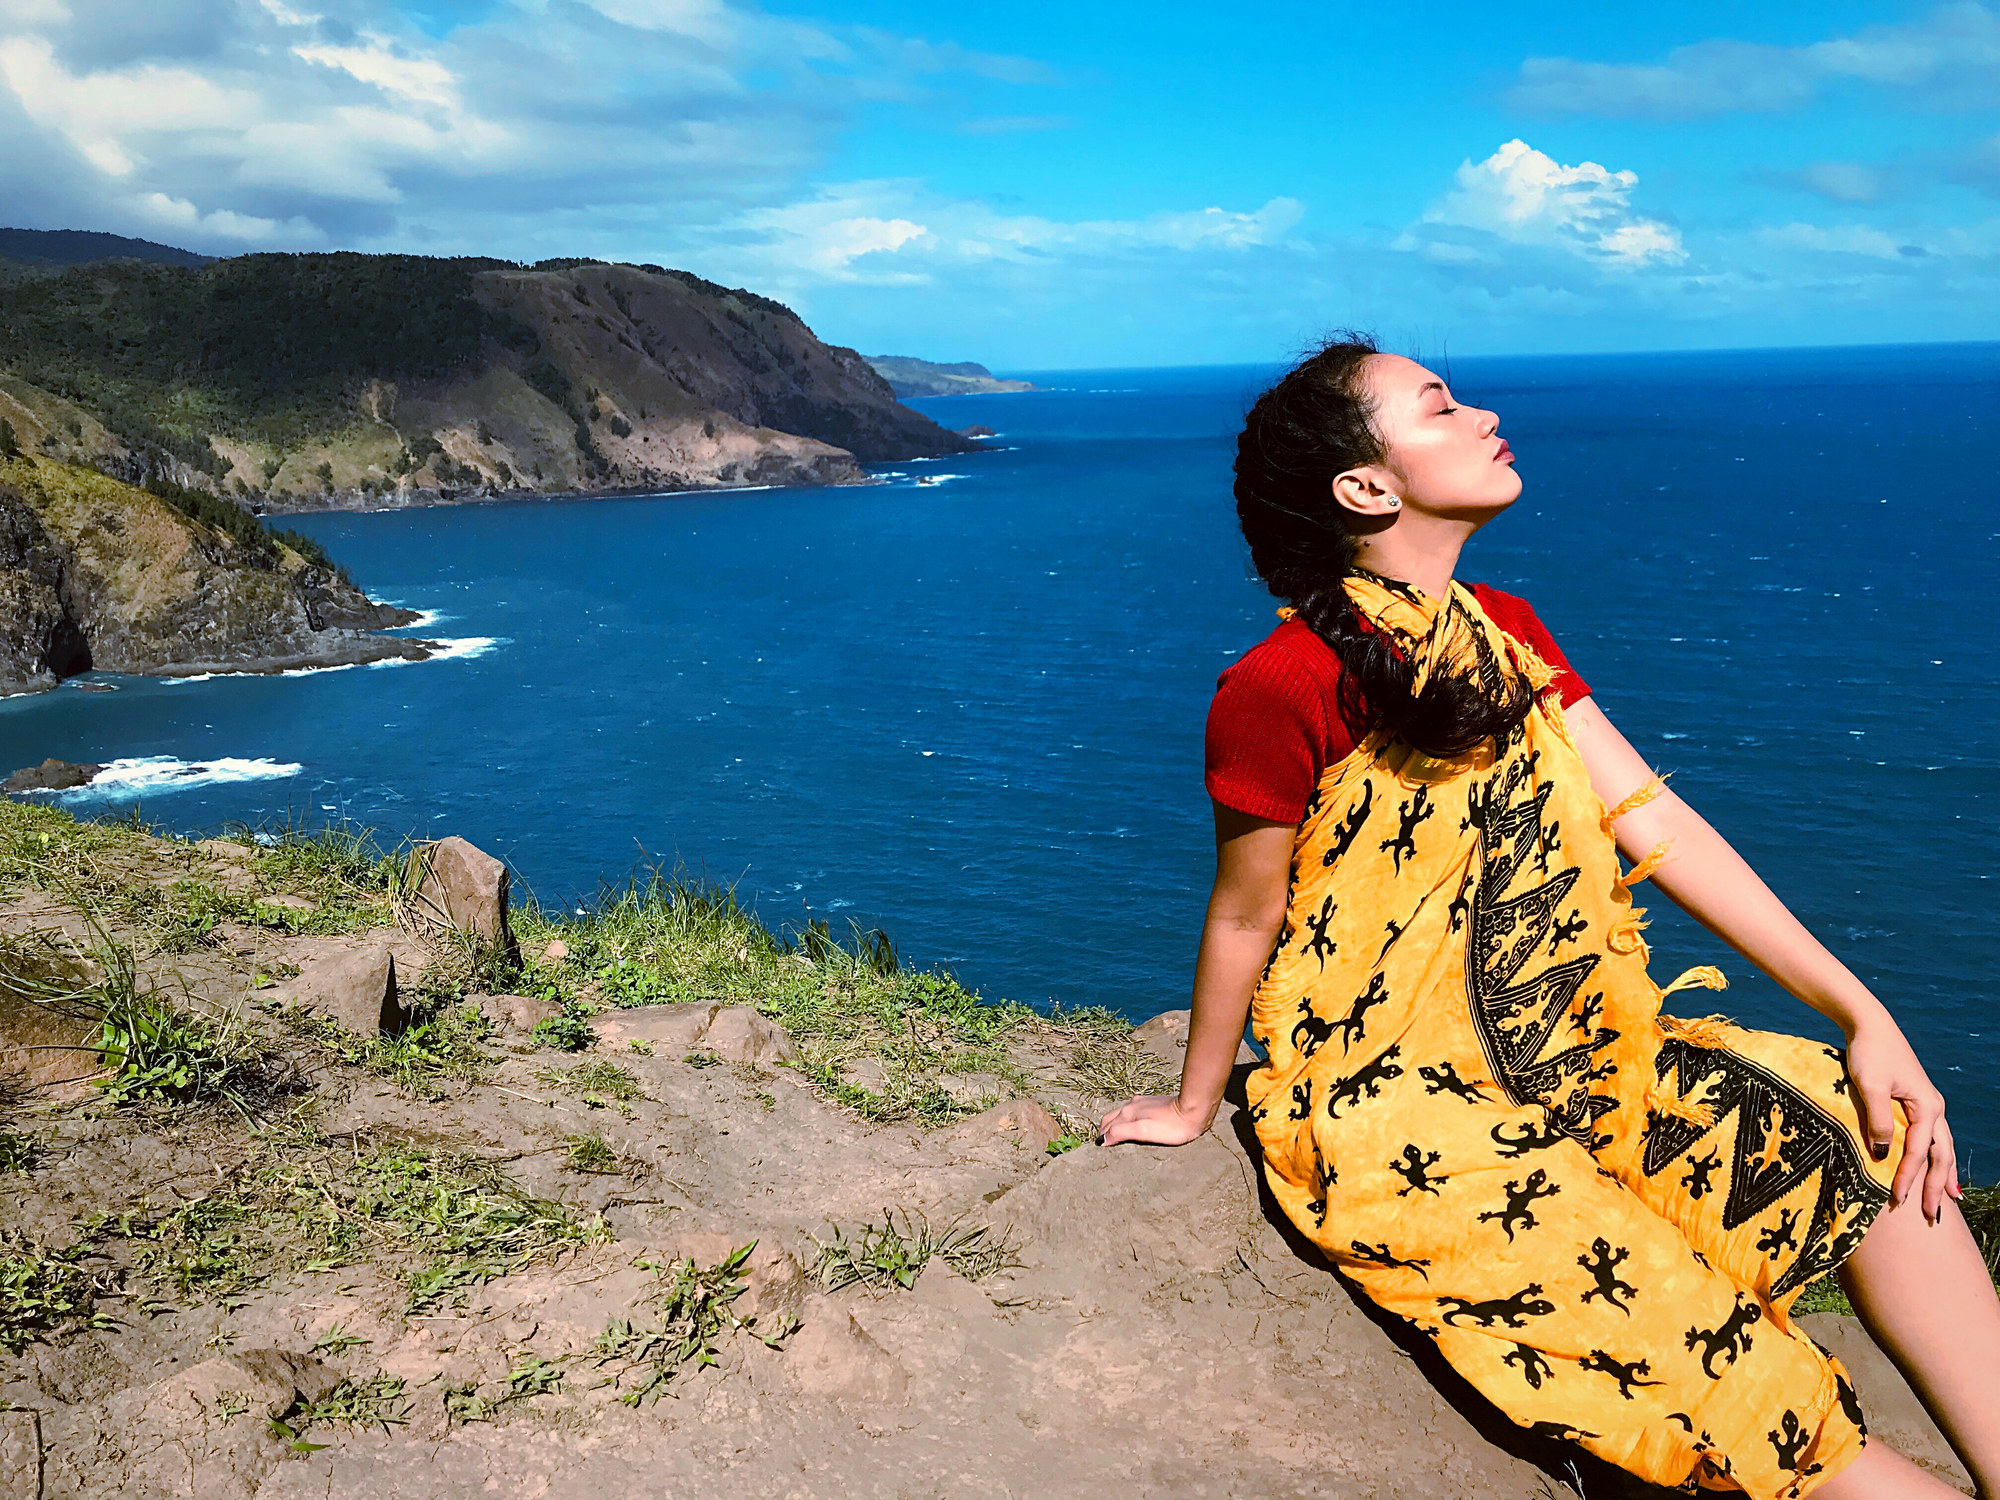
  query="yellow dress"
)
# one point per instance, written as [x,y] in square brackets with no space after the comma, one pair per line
[1475,1107]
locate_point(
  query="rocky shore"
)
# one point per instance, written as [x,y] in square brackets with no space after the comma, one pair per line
[334,1173]
[97,574]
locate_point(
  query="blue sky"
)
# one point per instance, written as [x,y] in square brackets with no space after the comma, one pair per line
[1038,185]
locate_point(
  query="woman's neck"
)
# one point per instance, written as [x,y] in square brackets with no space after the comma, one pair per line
[1418,549]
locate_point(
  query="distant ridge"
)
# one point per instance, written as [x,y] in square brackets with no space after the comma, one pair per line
[76,247]
[908,376]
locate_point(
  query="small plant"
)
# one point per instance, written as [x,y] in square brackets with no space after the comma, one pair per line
[1823,1295]
[701,1060]
[568,1032]
[336,1341]
[604,1079]
[229,1405]
[589,1153]
[47,1293]
[19,1154]
[886,1256]
[463,1403]
[533,1376]
[375,1402]
[695,1309]
[1063,1143]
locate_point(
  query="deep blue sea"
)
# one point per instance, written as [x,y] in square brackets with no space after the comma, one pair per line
[971,712]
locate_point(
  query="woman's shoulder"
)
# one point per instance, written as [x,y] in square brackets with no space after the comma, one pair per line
[1292,653]
[1517,617]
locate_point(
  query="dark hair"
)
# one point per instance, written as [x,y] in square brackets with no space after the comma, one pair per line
[1317,421]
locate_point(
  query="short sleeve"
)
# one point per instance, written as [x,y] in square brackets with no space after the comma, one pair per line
[1518,618]
[1266,737]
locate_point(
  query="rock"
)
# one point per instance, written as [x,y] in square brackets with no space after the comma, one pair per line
[774,1283]
[1165,1036]
[288,903]
[1141,1208]
[834,1356]
[51,775]
[667,1030]
[93,687]
[460,886]
[518,1012]
[869,1073]
[20,1455]
[45,1045]
[1022,1120]
[227,850]
[352,981]
[1894,1413]
[972,1088]
[556,951]
[739,1034]
[976,430]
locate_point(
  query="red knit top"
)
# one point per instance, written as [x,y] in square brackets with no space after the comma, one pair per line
[1275,725]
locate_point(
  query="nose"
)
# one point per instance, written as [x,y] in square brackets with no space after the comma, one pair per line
[1489,422]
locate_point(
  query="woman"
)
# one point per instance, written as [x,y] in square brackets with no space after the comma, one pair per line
[1472,1102]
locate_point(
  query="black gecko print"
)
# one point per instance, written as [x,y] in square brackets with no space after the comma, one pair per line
[1840,1083]
[1603,1263]
[1569,929]
[1789,1440]
[1379,1255]
[1366,1080]
[1562,1432]
[1626,1375]
[1412,1169]
[1781,1236]
[1411,812]
[1444,1079]
[1350,825]
[1549,845]
[1311,1030]
[1507,1312]
[1320,945]
[1395,931]
[1534,1368]
[1850,1403]
[1530,1139]
[1302,1100]
[1731,1337]
[1460,907]
[1700,1177]
[1350,1026]
[1324,1177]
[1520,1198]
[1585,1019]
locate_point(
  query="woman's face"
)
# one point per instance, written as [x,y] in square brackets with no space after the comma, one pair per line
[1449,457]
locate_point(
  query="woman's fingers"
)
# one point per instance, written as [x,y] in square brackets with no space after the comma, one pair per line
[1923,1114]
[1943,1174]
[1878,1115]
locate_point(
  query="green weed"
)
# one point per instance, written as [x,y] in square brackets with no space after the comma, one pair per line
[604,1079]
[46,1293]
[694,1307]
[590,1153]
[887,1256]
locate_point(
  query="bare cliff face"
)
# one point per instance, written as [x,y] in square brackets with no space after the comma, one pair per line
[435,381]
[97,574]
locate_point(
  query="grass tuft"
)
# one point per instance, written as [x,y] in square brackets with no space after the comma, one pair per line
[47,1293]
[885,1256]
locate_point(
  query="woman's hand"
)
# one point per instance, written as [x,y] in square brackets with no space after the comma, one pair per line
[1886,1073]
[1156,1119]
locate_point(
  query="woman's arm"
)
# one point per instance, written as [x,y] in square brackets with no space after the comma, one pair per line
[1713,884]
[1253,863]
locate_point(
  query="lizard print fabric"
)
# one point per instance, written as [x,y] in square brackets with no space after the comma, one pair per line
[1600,1213]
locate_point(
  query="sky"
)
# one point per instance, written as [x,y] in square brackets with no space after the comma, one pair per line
[1045,186]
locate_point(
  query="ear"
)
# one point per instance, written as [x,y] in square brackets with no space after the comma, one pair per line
[1367,491]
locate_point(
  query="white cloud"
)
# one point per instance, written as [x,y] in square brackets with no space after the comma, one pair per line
[178,216]
[420,80]
[1523,196]
[1952,56]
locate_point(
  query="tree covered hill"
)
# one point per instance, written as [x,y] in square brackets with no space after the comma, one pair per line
[290,381]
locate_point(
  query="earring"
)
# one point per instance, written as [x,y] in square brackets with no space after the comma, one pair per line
[1394,501]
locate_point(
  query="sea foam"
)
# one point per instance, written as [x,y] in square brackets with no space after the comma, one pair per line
[142,775]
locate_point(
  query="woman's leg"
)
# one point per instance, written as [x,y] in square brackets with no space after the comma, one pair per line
[1881,1473]
[1925,1296]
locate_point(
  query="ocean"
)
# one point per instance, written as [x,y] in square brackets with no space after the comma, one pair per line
[970,711]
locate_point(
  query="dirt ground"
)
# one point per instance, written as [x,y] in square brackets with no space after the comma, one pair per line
[491,1284]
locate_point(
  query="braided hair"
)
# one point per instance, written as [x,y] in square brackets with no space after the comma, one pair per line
[1314,424]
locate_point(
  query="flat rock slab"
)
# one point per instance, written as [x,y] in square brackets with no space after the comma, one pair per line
[1166,1037]
[44,1048]
[460,886]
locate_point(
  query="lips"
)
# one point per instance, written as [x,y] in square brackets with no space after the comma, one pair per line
[1504,454]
